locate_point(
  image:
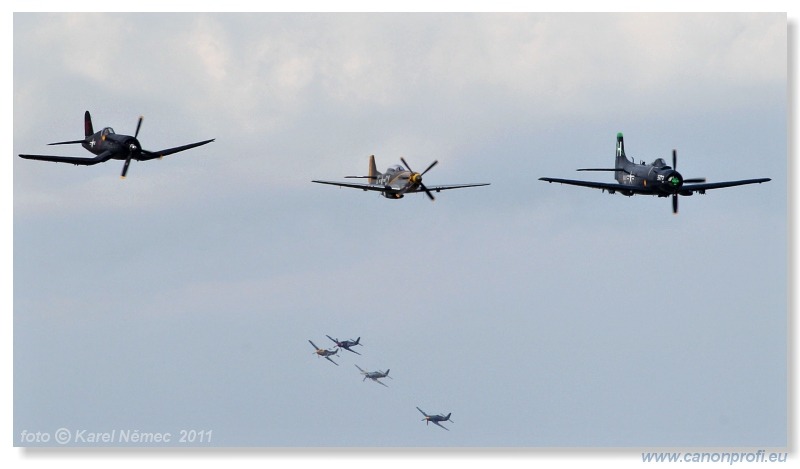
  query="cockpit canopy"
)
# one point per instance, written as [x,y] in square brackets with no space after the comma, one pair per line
[660,163]
[107,131]
[397,168]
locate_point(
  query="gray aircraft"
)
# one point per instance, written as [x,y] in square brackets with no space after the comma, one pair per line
[435,419]
[375,375]
[346,344]
[657,178]
[397,181]
[324,353]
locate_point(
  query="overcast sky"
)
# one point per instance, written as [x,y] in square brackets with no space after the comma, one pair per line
[540,315]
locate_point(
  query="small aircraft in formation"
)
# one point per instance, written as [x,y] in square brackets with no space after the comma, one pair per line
[397,181]
[435,419]
[325,353]
[346,344]
[108,145]
[375,375]
[657,178]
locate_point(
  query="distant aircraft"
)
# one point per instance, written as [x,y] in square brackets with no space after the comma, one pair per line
[435,419]
[346,344]
[651,179]
[375,375]
[396,181]
[108,145]
[324,353]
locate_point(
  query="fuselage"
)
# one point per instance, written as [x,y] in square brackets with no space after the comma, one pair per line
[108,141]
[658,178]
[399,179]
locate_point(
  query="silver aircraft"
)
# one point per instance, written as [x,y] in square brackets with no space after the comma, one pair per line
[435,419]
[375,375]
[397,181]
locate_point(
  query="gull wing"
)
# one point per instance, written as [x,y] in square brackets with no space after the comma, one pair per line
[101,158]
[440,425]
[150,155]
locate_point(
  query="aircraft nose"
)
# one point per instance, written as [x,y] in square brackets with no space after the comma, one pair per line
[133,145]
[674,181]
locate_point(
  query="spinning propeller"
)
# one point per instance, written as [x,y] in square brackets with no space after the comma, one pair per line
[677,180]
[416,178]
[133,147]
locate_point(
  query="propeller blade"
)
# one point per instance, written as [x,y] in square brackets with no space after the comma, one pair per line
[674,159]
[127,163]
[674,203]
[407,165]
[435,162]
[138,126]
[430,196]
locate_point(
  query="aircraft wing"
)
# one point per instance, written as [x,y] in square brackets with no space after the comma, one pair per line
[446,187]
[151,155]
[351,350]
[600,185]
[358,185]
[423,413]
[101,158]
[439,424]
[379,382]
[329,359]
[718,185]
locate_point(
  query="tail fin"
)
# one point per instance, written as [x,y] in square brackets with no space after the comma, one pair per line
[621,160]
[373,170]
[87,124]
[358,340]
[448,416]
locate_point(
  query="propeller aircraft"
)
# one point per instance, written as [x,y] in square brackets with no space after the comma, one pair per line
[657,178]
[375,375]
[346,344]
[324,353]
[435,419]
[108,145]
[397,181]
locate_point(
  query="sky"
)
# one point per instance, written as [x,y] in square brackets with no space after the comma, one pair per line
[542,316]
